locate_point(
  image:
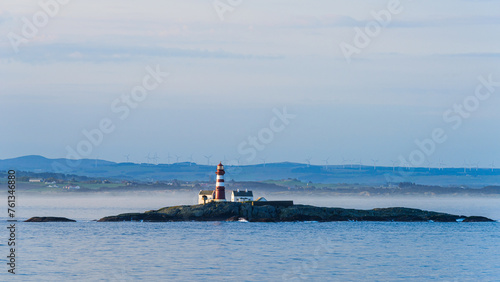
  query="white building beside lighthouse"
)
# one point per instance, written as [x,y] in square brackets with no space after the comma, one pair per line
[241,196]
[205,196]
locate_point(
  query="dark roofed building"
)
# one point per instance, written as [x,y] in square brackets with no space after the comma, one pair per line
[241,196]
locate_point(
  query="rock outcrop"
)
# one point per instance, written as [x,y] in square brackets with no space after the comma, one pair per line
[49,219]
[232,211]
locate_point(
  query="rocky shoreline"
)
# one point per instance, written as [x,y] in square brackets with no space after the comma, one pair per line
[231,211]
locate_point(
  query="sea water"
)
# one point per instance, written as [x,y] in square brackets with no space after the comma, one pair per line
[87,250]
[243,251]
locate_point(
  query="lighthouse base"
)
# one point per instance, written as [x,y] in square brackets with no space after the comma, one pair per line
[219,200]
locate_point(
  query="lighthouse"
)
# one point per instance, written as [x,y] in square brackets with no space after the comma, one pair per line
[220,192]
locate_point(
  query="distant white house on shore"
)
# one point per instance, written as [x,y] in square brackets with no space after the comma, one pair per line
[205,196]
[35,180]
[71,187]
[241,196]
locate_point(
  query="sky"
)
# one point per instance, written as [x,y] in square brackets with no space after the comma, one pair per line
[327,82]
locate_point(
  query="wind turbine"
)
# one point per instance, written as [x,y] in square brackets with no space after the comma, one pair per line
[326,162]
[155,158]
[190,160]
[394,164]
[374,164]
[264,160]
[404,164]
[148,158]
[127,156]
[477,165]
[208,159]
[343,162]
[360,164]
[441,164]
[492,165]
[224,159]
[177,158]
[308,160]
[238,160]
[168,158]
[465,166]
[429,163]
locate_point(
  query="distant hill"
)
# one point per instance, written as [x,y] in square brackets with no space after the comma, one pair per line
[41,164]
[350,174]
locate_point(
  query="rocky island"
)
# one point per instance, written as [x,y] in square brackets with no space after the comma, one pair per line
[233,211]
[49,219]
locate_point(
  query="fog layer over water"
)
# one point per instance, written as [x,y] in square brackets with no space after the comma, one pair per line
[86,206]
[94,206]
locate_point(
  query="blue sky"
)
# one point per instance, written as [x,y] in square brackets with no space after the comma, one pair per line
[227,78]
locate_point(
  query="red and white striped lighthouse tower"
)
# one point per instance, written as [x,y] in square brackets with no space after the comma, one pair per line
[220,192]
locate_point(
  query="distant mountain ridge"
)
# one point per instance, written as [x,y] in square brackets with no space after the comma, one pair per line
[43,164]
[351,174]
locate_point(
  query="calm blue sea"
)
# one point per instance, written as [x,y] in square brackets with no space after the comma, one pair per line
[238,251]
[242,251]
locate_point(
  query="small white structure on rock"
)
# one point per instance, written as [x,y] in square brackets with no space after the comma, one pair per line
[205,196]
[241,196]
